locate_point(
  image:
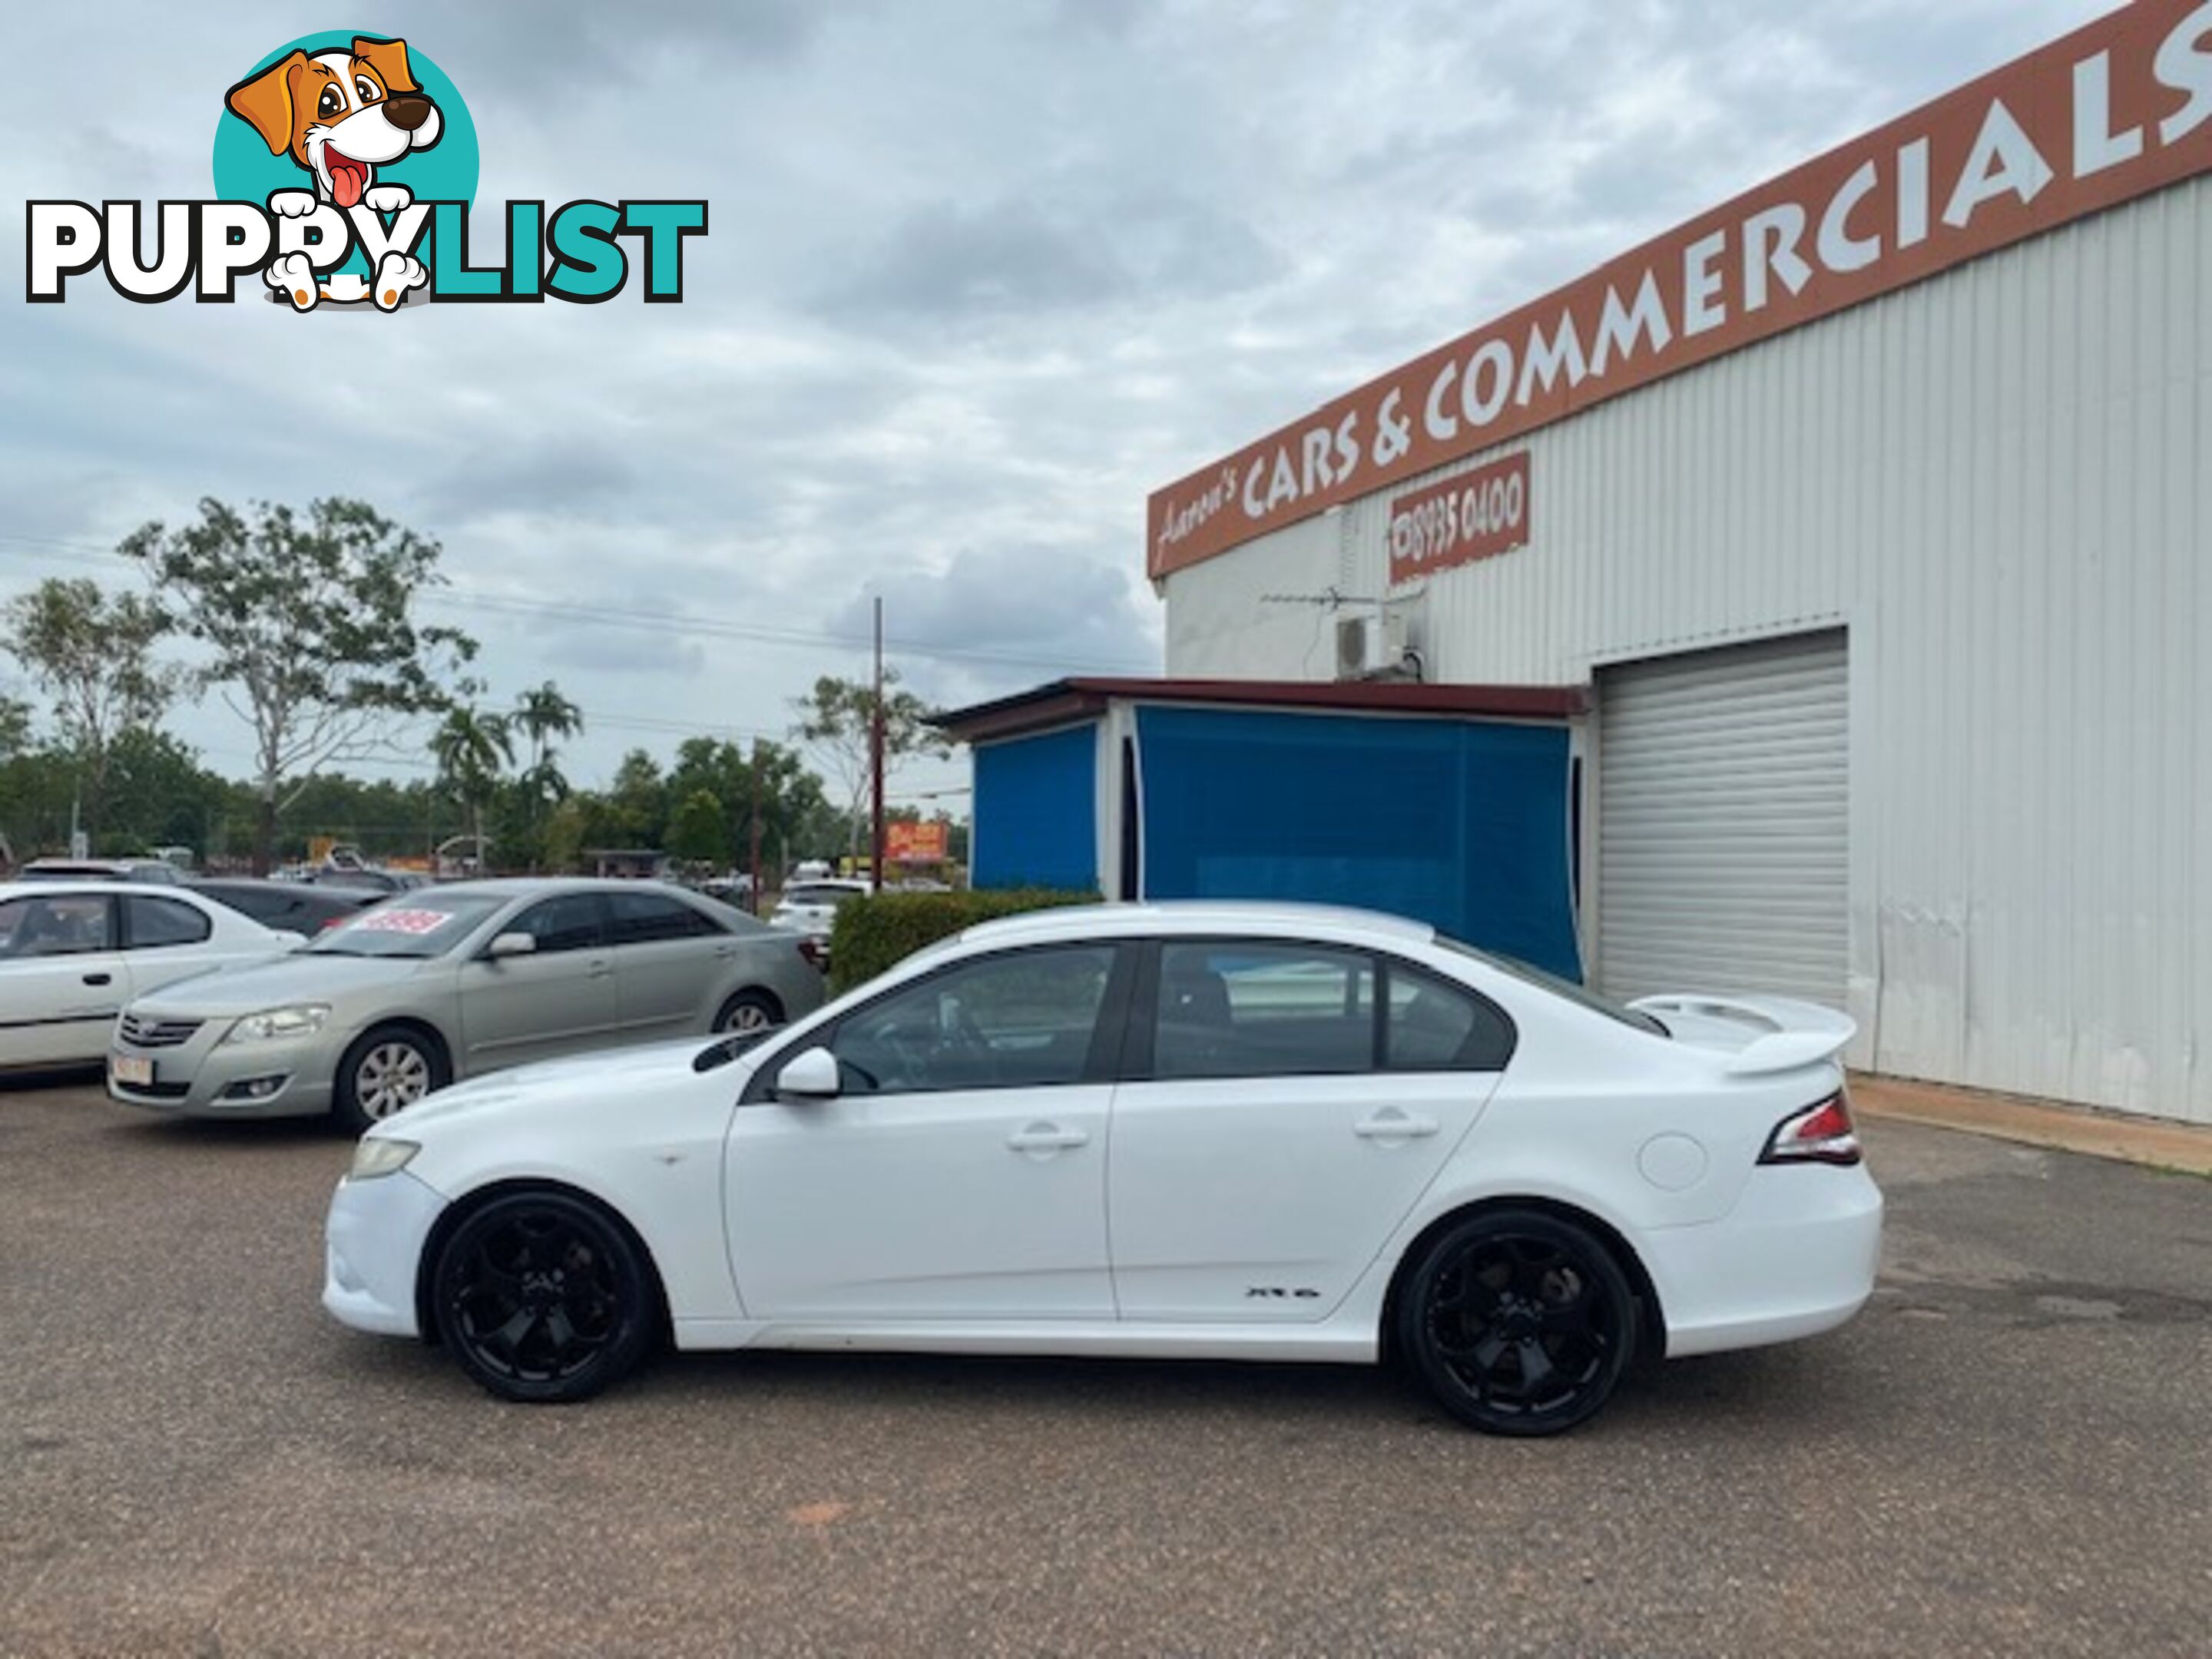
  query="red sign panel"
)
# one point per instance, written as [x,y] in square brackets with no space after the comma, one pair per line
[2111,112]
[915,843]
[1477,515]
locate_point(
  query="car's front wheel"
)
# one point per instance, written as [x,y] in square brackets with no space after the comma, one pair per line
[1517,1322]
[385,1071]
[543,1297]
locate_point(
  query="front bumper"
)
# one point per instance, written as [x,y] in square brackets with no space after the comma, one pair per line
[205,1077]
[373,1251]
[1796,1256]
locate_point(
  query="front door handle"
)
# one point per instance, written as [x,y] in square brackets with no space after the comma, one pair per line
[1391,1124]
[99,979]
[1047,1137]
[600,969]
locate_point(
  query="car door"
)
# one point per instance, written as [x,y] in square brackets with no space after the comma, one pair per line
[668,956]
[960,1172]
[61,979]
[557,998]
[1286,1106]
[165,940]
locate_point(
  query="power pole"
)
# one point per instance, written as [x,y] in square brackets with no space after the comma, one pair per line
[876,759]
[753,898]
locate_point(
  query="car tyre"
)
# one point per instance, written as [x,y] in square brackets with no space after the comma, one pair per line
[747,1012]
[385,1070]
[544,1298]
[1517,1322]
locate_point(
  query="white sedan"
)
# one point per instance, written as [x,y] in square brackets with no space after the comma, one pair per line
[1219,1131]
[73,954]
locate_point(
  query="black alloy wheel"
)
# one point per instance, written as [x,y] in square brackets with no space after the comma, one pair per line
[1517,1322]
[544,1298]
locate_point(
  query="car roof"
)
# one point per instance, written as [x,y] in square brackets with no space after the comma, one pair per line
[110,885]
[1204,916]
[513,887]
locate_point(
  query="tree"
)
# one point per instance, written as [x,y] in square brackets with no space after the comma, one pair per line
[541,716]
[93,653]
[697,831]
[472,747]
[838,717]
[309,621]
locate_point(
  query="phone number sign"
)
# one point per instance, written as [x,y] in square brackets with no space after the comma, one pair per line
[1476,515]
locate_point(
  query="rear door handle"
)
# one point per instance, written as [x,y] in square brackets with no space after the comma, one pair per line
[601,969]
[1391,1124]
[99,979]
[1047,1137]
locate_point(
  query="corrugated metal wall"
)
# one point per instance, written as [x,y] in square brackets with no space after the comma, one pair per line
[2000,480]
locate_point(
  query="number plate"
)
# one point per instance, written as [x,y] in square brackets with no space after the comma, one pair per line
[129,1070]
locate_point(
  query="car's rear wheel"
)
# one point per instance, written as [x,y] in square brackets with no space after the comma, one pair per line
[748,1010]
[385,1071]
[543,1297]
[1517,1322]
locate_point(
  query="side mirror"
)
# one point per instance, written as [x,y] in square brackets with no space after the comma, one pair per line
[809,1076]
[512,945]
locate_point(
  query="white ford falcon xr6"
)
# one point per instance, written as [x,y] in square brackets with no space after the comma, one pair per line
[1199,1130]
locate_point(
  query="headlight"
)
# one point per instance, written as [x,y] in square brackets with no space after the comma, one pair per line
[303,1020]
[379,1155]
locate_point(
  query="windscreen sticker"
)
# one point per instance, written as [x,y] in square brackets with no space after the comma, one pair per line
[416,922]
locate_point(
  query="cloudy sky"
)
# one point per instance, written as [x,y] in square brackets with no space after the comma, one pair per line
[981,274]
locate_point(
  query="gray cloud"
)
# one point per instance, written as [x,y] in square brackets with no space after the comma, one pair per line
[982,276]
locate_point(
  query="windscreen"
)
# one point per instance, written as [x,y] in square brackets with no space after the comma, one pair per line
[420,924]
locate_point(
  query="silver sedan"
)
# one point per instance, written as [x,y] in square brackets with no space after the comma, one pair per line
[449,981]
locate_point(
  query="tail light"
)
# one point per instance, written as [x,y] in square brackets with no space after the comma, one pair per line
[816,957]
[1822,1133]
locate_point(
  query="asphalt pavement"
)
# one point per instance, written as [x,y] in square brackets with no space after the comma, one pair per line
[2010,1452]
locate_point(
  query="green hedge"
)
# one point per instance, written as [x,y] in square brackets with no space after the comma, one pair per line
[878,932]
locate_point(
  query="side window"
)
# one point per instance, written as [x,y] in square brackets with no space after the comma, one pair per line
[150,923]
[650,918]
[66,925]
[1263,1010]
[570,922]
[1433,1025]
[1024,1020]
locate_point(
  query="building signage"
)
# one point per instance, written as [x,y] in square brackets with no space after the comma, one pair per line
[1476,515]
[915,843]
[2112,112]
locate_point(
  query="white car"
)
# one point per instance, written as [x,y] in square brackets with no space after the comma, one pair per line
[1204,1130]
[811,906]
[72,955]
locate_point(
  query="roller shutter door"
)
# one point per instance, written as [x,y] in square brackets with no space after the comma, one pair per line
[1722,819]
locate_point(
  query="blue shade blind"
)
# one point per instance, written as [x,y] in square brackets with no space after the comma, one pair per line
[1037,812]
[1461,823]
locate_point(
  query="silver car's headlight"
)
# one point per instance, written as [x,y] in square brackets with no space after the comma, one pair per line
[302,1019]
[379,1155]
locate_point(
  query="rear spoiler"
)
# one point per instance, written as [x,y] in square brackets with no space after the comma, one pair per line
[1792,1033]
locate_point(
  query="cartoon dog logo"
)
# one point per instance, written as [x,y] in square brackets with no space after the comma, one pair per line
[341,115]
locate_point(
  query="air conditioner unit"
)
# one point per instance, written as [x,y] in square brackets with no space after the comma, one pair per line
[1371,644]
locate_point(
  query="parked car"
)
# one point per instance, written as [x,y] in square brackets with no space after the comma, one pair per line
[290,905]
[72,956]
[812,870]
[451,982]
[153,870]
[1220,1131]
[811,906]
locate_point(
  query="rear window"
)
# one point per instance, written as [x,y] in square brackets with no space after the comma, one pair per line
[829,895]
[1581,995]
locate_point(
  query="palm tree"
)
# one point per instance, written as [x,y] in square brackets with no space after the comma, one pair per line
[546,713]
[543,714]
[470,748]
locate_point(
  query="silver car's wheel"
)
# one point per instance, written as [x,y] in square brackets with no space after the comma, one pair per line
[385,1072]
[748,1010]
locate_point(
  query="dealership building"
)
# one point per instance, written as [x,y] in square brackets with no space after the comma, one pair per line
[1844,558]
